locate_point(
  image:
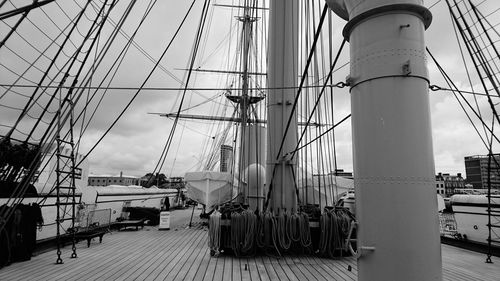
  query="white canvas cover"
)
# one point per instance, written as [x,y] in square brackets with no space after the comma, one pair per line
[323,191]
[208,187]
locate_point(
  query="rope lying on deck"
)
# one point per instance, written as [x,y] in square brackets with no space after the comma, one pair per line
[214,233]
[282,225]
[243,231]
[334,225]
[267,233]
[275,234]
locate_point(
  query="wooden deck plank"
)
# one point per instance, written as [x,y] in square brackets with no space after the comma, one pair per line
[236,270]
[210,273]
[307,268]
[87,257]
[341,269]
[215,269]
[255,275]
[470,264]
[44,262]
[244,268]
[200,272]
[123,260]
[77,266]
[271,273]
[219,268]
[91,258]
[286,269]
[183,255]
[96,257]
[183,265]
[227,274]
[172,267]
[456,276]
[167,253]
[261,269]
[140,260]
[320,271]
[290,262]
[131,248]
[82,269]
[193,269]
[307,265]
[127,260]
[325,265]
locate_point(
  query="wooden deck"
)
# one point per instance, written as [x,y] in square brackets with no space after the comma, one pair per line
[183,254]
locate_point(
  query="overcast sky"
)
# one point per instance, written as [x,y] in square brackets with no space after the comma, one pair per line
[135,143]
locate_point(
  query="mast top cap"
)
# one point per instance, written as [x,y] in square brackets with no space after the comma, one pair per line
[356,11]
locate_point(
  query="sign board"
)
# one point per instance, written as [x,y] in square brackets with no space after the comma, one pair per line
[164,221]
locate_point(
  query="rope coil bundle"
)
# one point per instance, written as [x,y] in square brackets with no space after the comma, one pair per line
[214,234]
[274,234]
[267,233]
[243,230]
[305,231]
[334,226]
[282,227]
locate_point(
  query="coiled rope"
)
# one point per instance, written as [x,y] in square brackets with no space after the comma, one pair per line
[282,221]
[214,234]
[267,233]
[275,234]
[243,231]
[305,231]
[334,226]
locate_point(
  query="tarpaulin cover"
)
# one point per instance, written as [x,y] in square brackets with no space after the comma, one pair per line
[209,188]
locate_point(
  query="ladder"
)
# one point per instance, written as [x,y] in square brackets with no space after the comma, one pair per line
[66,174]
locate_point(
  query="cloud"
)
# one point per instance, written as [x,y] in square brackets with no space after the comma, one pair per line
[135,144]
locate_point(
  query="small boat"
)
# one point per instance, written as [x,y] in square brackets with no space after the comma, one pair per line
[471,216]
[209,188]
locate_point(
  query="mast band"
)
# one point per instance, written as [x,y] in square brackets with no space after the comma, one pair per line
[422,12]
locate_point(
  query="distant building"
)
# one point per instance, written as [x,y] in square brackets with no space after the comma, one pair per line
[226,158]
[105,180]
[440,184]
[450,183]
[476,170]
[341,173]
[175,183]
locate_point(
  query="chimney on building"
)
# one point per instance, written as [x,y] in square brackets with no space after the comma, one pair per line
[121,174]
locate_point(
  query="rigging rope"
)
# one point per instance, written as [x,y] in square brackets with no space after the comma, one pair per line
[340,85]
[47,71]
[23,185]
[140,88]
[452,84]
[95,65]
[169,140]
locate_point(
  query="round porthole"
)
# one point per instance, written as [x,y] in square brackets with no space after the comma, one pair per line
[475,227]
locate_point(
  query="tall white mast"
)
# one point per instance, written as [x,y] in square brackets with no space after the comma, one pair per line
[282,72]
[396,207]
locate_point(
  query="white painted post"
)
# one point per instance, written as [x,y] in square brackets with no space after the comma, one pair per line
[393,158]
